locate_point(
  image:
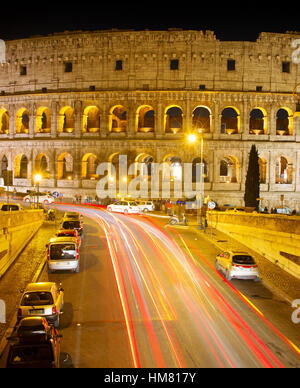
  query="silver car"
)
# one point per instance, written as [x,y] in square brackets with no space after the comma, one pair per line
[237,264]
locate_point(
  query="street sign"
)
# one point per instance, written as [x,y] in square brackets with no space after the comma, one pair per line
[211,205]
[55,194]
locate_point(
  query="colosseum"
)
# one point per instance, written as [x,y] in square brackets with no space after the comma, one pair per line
[70,101]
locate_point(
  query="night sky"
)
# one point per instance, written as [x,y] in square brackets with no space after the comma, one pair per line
[230,21]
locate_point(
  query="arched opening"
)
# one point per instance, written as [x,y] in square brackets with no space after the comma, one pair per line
[262,170]
[201,119]
[230,121]
[258,122]
[65,166]
[173,120]
[175,168]
[42,166]
[21,167]
[118,119]
[145,119]
[196,170]
[91,119]
[284,122]
[66,120]
[4,165]
[22,121]
[89,167]
[229,169]
[43,120]
[284,171]
[4,122]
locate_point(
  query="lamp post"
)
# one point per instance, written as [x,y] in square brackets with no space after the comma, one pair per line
[192,138]
[37,180]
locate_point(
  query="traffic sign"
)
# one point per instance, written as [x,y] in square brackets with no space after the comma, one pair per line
[211,205]
[55,194]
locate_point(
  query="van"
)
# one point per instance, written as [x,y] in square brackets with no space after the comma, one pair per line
[63,254]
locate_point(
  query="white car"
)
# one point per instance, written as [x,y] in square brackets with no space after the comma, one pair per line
[63,254]
[125,207]
[43,299]
[43,198]
[238,265]
[146,206]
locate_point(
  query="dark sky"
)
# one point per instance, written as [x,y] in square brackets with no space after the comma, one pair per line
[229,20]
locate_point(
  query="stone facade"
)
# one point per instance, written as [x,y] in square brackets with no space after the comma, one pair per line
[70,101]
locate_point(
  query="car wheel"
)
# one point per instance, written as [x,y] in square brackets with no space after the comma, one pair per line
[173,222]
[145,210]
[228,277]
[109,209]
[77,269]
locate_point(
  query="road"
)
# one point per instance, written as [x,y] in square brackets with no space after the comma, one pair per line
[149,296]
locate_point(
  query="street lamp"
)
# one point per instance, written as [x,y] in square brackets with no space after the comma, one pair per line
[192,138]
[37,179]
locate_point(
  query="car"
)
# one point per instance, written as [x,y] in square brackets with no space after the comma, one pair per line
[70,223]
[237,264]
[45,299]
[63,254]
[125,207]
[44,198]
[4,207]
[283,210]
[35,344]
[146,206]
[69,232]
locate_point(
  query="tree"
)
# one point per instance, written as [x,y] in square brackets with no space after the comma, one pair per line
[252,185]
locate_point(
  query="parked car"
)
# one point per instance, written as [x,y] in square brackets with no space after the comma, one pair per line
[44,299]
[125,207]
[72,215]
[44,198]
[146,206]
[69,233]
[283,210]
[4,207]
[63,254]
[236,264]
[36,345]
[69,223]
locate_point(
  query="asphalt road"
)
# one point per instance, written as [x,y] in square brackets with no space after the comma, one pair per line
[149,296]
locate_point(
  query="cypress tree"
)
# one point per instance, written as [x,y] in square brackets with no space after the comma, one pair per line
[252,185]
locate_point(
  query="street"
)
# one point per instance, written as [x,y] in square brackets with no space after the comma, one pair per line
[149,296]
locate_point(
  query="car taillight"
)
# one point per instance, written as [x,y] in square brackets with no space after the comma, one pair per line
[77,254]
[48,254]
[130,207]
[54,310]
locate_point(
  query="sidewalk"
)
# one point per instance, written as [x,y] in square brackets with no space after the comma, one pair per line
[273,276]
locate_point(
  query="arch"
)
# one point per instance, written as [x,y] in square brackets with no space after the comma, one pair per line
[4,122]
[202,119]
[21,166]
[284,122]
[262,170]
[42,165]
[66,120]
[146,161]
[43,120]
[65,166]
[175,163]
[118,119]
[258,122]
[229,169]
[22,121]
[91,119]
[89,166]
[284,170]
[145,119]
[173,119]
[196,170]
[230,120]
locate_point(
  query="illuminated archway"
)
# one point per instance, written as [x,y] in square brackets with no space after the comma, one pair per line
[43,120]
[22,121]
[91,119]
[89,166]
[4,122]
[66,120]
[145,119]
[65,166]
[173,119]
[230,121]
[118,119]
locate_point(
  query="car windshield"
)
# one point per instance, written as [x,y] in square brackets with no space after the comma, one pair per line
[10,207]
[37,298]
[71,224]
[66,251]
[243,259]
[133,204]
[22,355]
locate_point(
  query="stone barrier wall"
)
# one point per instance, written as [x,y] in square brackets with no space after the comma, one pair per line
[276,237]
[16,230]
